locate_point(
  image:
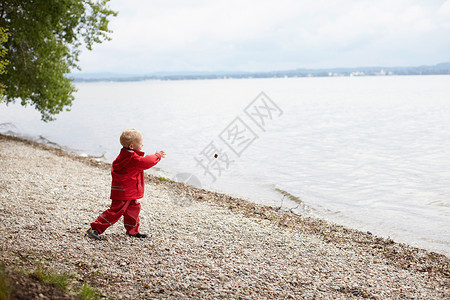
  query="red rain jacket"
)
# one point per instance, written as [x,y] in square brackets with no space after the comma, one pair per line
[128,174]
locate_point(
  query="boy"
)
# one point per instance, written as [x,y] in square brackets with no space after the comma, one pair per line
[127,186]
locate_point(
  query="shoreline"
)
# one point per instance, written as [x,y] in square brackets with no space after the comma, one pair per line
[296,205]
[322,245]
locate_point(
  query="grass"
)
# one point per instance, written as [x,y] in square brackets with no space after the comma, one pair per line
[44,275]
[62,282]
[88,293]
[4,284]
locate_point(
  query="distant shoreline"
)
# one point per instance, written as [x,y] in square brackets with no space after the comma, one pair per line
[439,69]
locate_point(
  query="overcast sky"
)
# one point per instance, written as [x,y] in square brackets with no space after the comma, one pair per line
[262,35]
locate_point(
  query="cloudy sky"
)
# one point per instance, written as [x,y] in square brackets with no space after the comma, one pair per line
[262,35]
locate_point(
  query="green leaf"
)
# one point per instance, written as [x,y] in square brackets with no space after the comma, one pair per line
[42,45]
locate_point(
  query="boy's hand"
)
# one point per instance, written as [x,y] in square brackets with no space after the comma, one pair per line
[162,153]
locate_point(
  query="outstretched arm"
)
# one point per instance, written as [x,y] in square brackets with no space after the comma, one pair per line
[149,161]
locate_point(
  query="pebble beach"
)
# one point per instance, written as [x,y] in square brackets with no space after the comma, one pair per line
[202,244]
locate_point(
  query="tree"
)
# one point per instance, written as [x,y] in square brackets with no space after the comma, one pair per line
[4,35]
[46,37]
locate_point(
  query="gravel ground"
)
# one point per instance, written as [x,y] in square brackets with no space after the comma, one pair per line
[203,244]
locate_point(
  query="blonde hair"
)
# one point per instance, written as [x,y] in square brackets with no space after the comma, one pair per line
[129,136]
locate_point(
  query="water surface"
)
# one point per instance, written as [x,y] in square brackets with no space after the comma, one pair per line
[367,152]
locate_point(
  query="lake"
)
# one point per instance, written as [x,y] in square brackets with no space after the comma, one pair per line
[371,153]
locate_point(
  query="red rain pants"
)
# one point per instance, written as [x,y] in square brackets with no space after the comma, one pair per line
[129,209]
